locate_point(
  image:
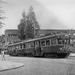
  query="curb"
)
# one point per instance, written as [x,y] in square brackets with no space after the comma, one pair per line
[6,69]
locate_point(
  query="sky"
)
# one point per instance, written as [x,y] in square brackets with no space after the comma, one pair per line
[50,14]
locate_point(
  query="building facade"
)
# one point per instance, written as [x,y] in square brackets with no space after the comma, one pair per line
[2,42]
[11,36]
[54,31]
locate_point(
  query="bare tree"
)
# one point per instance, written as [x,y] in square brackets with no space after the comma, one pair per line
[1,16]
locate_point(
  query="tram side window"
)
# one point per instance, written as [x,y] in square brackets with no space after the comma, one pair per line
[37,43]
[21,46]
[43,43]
[32,44]
[66,41]
[16,46]
[24,45]
[60,41]
[10,48]
[53,41]
[48,42]
[27,45]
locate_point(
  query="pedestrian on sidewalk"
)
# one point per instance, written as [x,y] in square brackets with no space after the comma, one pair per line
[3,55]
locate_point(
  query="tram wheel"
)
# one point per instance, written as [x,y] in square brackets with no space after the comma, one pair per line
[29,54]
[44,55]
[62,55]
[55,55]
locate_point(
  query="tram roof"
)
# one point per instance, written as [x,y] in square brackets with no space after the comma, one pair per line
[35,39]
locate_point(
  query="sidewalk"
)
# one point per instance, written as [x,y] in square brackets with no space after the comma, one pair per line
[7,65]
[72,54]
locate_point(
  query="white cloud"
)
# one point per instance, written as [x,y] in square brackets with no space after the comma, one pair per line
[49,13]
[64,10]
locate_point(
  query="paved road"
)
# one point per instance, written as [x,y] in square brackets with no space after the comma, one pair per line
[42,66]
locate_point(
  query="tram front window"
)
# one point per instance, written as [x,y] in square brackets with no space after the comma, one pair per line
[66,41]
[63,41]
[60,41]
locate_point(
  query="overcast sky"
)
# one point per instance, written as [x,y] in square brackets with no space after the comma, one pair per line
[55,14]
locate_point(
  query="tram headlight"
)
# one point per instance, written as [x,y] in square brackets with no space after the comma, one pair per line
[60,49]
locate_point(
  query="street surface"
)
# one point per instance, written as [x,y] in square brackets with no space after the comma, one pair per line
[42,66]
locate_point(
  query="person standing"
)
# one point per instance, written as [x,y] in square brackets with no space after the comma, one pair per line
[38,49]
[3,55]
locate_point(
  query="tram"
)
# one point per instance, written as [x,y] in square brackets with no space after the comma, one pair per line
[56,45]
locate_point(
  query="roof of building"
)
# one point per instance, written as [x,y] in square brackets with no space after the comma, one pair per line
[43,31]
[11,31]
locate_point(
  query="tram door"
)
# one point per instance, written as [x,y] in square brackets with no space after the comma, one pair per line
[37,48]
